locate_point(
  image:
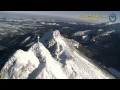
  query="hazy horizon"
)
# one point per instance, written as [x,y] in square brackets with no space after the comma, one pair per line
[70,14]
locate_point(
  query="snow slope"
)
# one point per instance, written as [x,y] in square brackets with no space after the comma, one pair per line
[50,67]
[82,33]
[19,66]
[74,65]
[52,58]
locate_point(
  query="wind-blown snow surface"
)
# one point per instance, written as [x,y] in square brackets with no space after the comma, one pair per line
[52,58]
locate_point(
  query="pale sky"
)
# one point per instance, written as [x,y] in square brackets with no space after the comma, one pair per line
[71,14]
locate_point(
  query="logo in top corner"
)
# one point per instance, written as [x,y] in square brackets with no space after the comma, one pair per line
[112,17]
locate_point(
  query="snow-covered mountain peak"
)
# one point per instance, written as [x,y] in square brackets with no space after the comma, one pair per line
[52,38]
[40,51]
[56,33]
[35,63]
[51,58]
